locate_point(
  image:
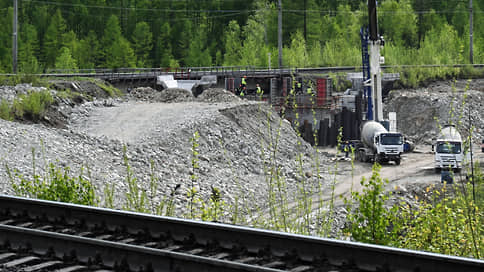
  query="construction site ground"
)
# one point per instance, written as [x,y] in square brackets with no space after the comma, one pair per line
[239,142]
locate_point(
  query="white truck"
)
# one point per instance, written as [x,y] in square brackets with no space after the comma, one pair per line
[448,149]
[379,145]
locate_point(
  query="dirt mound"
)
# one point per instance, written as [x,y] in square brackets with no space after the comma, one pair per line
[173,95]
[143,94]
[87,89]
[421,112]
[214,95]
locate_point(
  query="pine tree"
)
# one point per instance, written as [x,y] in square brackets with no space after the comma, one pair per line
[65,61]
[6,40]
[90,51]
[254,51]
[233,44]
[53,39]
[142,43]
[28,49]
[117,50]
[163,52]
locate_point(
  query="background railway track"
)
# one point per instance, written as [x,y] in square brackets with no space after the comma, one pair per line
[63,236]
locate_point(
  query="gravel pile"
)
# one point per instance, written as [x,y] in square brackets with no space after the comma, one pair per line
[232,138]
[217,95]
[421,111]
[173,95]
[142,94]
[9,93]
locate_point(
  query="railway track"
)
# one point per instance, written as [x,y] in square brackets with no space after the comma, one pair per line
[38,235]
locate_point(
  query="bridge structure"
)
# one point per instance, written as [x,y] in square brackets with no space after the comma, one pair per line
[313,107]
[318,115]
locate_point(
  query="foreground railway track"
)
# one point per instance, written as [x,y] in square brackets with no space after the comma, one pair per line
[40,235]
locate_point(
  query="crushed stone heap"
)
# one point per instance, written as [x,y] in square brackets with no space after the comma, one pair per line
[421,111]
[236,138]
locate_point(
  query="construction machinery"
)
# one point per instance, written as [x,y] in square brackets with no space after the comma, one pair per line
[448,149]
[379,145]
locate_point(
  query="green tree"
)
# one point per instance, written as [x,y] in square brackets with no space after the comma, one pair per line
[89,49]
[398,22]
[163,51]
[254,51]
[6,40]
[198,53]
[233,44]
[142,40]
[297,54]
[65,61]
[117,50]
[53,39]
[28,49]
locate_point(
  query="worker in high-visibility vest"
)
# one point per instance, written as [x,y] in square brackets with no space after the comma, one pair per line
[298,87]
[244,82]
[258,89]
[309,90]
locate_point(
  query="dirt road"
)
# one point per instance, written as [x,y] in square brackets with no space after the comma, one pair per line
[416,169]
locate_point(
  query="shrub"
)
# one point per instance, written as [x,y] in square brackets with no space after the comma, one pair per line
[55,185]
[33,105]
[5,111]
[371,221]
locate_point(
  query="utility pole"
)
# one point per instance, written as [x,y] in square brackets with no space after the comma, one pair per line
[14,37]
[471,47]
[279,33]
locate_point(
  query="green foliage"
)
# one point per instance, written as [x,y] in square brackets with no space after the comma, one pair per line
[56,185]
[5,111]
[149,36]
[110,90]
[193,191]
[65,61]
[451,223]
[232,44]
[398,22]
[32,106]
[53,38]
[142,43]
[136,198]
[371,221]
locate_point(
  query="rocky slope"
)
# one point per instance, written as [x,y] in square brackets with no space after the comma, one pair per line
[420,112]
[234,145]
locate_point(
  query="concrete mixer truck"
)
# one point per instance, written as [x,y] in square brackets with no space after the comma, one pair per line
[379,145]
[448,149]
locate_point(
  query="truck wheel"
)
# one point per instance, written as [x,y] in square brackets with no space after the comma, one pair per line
[397,161]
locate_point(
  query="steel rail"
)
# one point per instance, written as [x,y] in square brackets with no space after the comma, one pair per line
[113,254]
[307,248]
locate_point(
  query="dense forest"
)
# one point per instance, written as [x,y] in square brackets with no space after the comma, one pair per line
[75,34]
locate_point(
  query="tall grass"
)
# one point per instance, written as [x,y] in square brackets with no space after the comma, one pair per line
[450,221]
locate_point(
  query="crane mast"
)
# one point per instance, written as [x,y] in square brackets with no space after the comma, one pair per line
[375,42]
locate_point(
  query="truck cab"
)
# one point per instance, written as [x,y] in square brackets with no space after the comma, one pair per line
[448,149]
[389,147]
[448,154]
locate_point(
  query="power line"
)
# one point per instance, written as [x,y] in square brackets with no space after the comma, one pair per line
[300,11]
[129,8]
